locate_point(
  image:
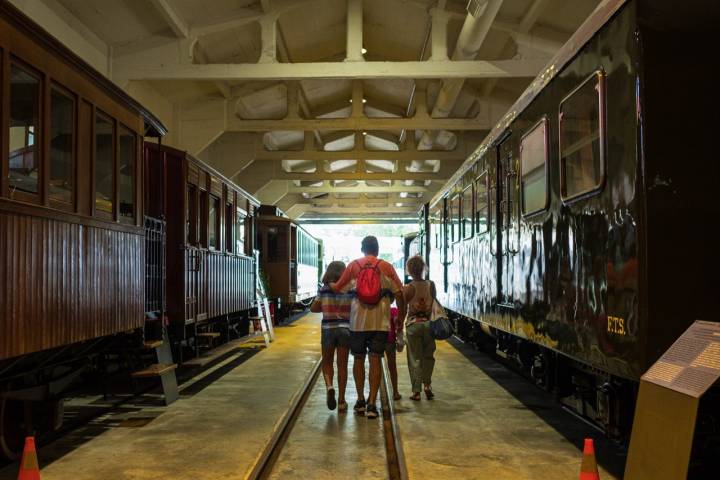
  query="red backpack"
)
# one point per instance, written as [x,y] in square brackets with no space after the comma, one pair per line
[368,287]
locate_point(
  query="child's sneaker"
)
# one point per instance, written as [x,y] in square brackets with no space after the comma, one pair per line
[371,411]
[359,407]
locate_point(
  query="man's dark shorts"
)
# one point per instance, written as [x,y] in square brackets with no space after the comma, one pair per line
[364,342]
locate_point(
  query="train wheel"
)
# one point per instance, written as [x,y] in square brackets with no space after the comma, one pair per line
[11,428]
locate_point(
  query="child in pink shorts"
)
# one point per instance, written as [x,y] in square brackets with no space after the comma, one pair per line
[394,344]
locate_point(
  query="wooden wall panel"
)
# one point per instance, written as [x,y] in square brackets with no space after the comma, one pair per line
[66,282]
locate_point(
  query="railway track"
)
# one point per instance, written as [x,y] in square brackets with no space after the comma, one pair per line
[267,460]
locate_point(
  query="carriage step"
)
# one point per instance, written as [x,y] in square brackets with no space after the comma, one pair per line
[152,344]
[155,370]
[208,334]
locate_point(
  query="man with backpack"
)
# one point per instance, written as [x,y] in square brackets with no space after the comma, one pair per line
[376,286]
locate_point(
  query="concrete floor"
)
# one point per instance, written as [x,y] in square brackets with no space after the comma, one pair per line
[485,423]
[488,423]
[328,445]
[213,433]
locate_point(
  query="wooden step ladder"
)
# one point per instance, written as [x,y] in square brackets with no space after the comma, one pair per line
[164,368]
[264,319]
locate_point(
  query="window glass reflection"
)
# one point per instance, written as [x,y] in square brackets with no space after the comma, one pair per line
[62,133]
[24,161]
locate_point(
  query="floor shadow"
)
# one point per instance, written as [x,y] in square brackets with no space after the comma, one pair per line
[610,455]
[207,380]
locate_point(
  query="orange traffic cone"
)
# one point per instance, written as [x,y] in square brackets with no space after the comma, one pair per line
[588,469]
[29,469]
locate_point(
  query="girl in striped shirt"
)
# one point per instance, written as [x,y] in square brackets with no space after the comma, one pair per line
[335,309]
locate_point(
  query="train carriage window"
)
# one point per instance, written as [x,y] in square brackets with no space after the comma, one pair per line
[24,155]
[104,175]
[481,203]
[582,137]
[466,217]
[533,166]
[203,218]
[454,215]
[229,244]
[436,225]
[240,232]
[191,215]
[213,224]
[127,151]
[62,140]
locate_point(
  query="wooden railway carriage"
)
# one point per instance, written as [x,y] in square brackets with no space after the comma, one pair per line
[210,243]
[290,258]
[581,232]
[72,240]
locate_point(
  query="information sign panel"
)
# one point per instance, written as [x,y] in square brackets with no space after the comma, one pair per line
[692,364]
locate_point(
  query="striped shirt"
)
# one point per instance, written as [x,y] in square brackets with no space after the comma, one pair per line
[335,307]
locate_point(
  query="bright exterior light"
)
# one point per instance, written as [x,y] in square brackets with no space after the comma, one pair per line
[364,133]
[364,50]
[364,100]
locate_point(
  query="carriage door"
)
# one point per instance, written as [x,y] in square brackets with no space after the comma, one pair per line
[507,225]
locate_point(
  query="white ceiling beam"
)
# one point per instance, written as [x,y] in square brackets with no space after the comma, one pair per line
[354,176]
[531,15]
[358,154]
[526,23]
[167,70]
[235,124]
[412,210]
[445,172]
[327,188]
[177,24]
[354,38]
[244,17]
[407,202]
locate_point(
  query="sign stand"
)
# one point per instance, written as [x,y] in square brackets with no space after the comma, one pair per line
[666,410]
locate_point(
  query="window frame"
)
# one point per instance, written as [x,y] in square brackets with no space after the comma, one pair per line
[464,235]
[54,203]
[457,218]
[192,212]
[229,221]
[218,212]
[544,120]
[203,216]
[482,174]
[113,215]
[598,74]
[119,128]
[39,135]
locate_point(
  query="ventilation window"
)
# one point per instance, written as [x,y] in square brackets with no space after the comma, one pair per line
[481,203]
[582,140]
[533,161]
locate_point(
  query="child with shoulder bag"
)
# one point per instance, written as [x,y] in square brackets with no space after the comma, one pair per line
[335,336]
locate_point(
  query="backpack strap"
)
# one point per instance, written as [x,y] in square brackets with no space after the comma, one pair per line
[372,264]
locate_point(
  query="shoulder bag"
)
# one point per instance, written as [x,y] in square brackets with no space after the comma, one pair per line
[441,327]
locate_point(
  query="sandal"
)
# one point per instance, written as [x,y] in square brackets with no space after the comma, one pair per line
[396,396]
[429,393]
[415,396]
[371,411]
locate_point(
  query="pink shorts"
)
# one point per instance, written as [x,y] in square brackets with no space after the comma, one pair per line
[393,322]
